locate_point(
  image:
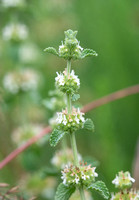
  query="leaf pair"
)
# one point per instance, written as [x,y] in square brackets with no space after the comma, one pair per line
[64,192]
[84,53]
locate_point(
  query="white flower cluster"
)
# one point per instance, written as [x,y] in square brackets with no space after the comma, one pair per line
[126,195]
[70,122]
[14,31]
[24,133]
[67,83]
[12,3]
[76,176]
[123,180]
[24,80]
[62,158]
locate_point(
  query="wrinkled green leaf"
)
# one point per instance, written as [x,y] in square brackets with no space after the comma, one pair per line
[100,187]
[75,97]
[56,136]
[88,52]
[63,192]
[51,50]
[89,125]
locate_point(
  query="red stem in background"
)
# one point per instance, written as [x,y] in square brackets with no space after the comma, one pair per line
[20,149]
[109,98]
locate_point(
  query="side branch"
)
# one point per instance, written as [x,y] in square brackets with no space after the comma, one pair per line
[104,100]
[20,149]
[111,97]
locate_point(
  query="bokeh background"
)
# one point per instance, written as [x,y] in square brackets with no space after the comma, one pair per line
[111,28]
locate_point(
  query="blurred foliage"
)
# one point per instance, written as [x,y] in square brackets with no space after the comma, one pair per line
[109,27]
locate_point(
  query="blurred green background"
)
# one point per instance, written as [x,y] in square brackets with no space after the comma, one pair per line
[111,28]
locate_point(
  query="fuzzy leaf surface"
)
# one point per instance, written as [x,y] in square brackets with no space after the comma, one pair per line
[56,136]
[100,187]
[88,52]
[51,50]
[63,192]
[75,97]
[89,125]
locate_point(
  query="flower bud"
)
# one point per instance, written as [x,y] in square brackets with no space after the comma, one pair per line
[123,180]
[70,48]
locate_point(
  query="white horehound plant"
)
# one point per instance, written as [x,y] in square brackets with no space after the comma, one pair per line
[78,175]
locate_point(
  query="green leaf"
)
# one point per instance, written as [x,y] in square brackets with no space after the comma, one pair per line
[89,125]
[64,192]
[100,187]
[56,136]
[75,97]
[52,51]
[88,52]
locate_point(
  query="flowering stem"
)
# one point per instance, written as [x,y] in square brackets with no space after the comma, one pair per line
[82,193]
[72,134]
[69,107]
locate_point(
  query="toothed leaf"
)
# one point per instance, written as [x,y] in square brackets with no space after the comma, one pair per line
[75,97]
[100,187]
[88,52]
[51,50]
[63,192]
[89,125]
[56,136]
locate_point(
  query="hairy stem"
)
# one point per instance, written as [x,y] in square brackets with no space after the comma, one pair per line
[72,134]
[74,149]
[82,193]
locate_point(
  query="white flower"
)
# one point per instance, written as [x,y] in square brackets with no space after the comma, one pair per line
[77,119]
[60,79]
[78,46]
[116,181]
[59,118]
[94,173]
[64,120]
[15,31]
[77,180]
[130,178]
[61,46]
[76,79]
